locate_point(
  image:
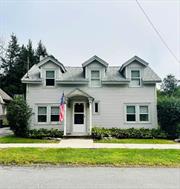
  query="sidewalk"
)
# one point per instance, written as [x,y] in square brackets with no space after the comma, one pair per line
[88,143]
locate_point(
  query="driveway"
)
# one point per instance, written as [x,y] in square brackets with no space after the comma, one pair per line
[4,131]
[89,178]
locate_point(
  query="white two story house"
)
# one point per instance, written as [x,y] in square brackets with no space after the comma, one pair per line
[96,95]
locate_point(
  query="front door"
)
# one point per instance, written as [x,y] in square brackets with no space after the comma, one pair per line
[79,110]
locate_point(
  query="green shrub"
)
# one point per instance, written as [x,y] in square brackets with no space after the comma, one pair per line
[100,133]
[42,133]
[18,115]
[169,115]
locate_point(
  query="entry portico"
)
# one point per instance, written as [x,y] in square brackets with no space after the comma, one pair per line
[78,113]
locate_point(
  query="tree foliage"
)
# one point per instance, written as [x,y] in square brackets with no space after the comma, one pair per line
[14,64]
[41,50]
[169,115]
[18,115]
[169,85]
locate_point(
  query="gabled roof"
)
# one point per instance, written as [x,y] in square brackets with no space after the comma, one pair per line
[89,61]
[54,60]
[133,59]
[150,76]
[78,92]
[4,96]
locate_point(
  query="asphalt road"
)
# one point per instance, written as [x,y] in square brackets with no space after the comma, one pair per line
[88,178]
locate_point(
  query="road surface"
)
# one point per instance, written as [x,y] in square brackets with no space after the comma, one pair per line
[88,178]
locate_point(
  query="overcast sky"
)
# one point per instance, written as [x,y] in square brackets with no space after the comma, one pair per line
[73,31]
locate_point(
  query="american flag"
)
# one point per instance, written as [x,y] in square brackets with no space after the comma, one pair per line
[61,109]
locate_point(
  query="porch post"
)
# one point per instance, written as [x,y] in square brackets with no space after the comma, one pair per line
[90,115]
[65,119]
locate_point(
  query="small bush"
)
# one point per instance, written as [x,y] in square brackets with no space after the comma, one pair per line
[100,133]
[43,133]
[18,115]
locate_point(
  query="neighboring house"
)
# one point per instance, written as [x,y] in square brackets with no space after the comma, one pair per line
[4,100]
[96,95]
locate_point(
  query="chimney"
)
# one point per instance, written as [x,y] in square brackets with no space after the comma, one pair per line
[41,58]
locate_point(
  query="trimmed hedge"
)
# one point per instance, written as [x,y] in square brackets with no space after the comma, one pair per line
[100,133]
[43,133]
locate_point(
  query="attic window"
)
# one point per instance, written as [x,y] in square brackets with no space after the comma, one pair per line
[135,78]
[50,79]
[95,78]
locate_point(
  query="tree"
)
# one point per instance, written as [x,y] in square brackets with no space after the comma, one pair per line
[8,78]
[169,85]
[18,115]
[12,53]
[169,115]
[41,50]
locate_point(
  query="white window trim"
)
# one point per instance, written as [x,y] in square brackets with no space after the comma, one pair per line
[96,113]
[130,84]
[48,118]
[94,69]
[53,122]
[50,69]
[137,105]
[41,123]
[143,114]
[131,113]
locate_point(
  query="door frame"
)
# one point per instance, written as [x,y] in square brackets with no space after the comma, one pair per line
[84,117]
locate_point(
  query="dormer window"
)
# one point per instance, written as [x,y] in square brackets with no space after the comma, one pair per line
[135,78]
[95,78]
[50,78]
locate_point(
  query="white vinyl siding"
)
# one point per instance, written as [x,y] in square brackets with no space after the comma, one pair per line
[95,78]
[135,78]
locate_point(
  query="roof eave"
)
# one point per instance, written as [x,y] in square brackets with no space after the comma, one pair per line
[31,81]
[116,82]
[152,81]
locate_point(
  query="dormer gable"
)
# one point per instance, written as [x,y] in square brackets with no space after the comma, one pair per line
[53,60]
[133,59]
[95,59]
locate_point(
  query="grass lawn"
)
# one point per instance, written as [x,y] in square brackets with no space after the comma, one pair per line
[136,141]
[13,139]
[91,157]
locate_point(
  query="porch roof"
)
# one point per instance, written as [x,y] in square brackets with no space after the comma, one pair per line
[78,92]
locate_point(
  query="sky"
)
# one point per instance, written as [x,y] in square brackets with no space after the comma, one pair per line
[75,30]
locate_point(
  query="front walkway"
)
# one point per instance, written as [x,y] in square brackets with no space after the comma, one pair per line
[5,131]
[88,143]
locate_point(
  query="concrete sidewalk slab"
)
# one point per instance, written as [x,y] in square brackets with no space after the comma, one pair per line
[88,143]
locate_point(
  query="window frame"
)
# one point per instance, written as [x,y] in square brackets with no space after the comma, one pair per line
[53,106]
[50,70]
[42,106]
[135,78]
[131,113]
[137,115]
[94,107]
[97,79]
[143,114]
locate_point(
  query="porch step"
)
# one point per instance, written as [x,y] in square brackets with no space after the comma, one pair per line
[76,137]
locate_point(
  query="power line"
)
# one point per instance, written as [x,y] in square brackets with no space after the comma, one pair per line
[157,32]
